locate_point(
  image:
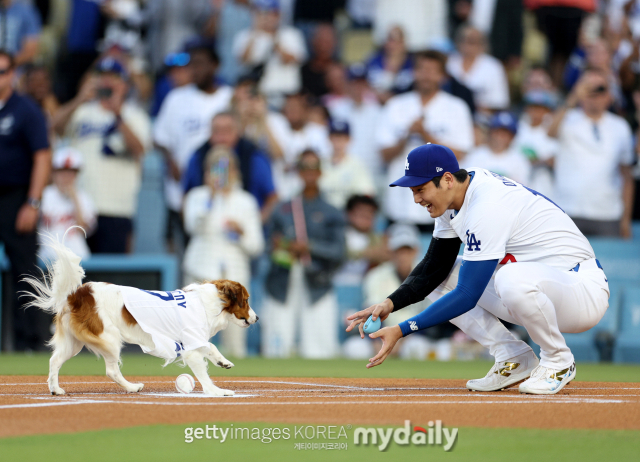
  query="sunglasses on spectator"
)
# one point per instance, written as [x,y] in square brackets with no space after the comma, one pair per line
[177,60]
[599,90]
[5,71]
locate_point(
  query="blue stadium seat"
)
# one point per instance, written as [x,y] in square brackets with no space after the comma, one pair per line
[627,348]
[151,214]
[619,258]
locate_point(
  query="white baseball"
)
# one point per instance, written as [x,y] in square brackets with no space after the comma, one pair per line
[185,383]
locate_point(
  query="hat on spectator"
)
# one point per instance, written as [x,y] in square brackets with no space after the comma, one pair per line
[177,59]
[339,127]
[357,71]
[67,158]
[403,235]
[110,65]
[505,120]
[266,5]
[541,98]
[426,162]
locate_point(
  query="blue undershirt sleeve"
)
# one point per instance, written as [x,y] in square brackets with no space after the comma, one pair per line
[472,280]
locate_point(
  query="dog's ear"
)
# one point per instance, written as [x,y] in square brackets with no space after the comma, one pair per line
[234,292]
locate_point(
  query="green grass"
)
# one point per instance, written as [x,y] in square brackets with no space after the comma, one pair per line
[166,443]
[140,364]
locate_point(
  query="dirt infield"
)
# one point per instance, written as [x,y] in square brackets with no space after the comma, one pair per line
[94,403]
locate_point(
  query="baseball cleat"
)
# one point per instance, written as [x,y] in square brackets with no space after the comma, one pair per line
[503,374]
[547,381]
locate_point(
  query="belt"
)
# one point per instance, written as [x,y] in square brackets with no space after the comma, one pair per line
[588,264]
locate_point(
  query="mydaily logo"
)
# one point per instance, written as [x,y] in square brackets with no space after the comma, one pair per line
[434,434]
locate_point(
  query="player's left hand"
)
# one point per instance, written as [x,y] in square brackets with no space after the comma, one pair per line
[389,336]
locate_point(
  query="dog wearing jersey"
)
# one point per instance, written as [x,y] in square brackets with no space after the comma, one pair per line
[102,316]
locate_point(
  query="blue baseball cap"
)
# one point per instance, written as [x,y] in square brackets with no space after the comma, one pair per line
[111,66]
[425,163]
[357,71]
[177,59]
[506,120]
[339,127]
[266,5]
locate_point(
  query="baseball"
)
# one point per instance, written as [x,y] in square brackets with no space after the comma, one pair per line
[185,383]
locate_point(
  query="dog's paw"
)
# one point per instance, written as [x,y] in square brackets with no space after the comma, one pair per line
[135,387]
[215,391]
[57,391]
[226,364]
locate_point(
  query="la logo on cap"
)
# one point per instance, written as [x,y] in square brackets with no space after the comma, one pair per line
[406,163]
[438,169]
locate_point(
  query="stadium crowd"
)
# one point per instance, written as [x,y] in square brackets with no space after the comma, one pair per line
[281,122]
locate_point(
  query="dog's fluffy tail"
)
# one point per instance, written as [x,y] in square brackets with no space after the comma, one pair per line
[64,275]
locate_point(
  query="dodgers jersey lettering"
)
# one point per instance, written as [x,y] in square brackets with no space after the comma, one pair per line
[502,219]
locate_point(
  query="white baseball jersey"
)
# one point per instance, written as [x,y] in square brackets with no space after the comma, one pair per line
[175,320]
[501,219]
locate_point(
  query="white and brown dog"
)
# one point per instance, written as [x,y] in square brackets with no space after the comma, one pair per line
[94,315]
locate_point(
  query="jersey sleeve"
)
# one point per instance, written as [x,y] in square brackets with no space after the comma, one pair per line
[443,227]
[487,228]
[626,146]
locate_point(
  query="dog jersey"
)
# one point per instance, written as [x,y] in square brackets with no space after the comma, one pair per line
[502,219]
[175,320]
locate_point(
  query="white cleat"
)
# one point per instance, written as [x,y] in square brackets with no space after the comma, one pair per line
[547,381]
[506,373]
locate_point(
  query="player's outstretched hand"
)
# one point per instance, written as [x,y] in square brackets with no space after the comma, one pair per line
[379,310]
[389,336]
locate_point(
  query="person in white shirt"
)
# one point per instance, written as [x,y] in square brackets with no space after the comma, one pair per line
[524,262]
[184,124]
[343,175]
[113,135]
[361,110]
[498,155]
[593,181]
[533,141]
[272,51]
[303,134]
[226,232]
[425,115]
[483,74]
[65,205]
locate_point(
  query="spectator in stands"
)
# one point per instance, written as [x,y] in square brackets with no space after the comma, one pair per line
[361,12]
[560,21]
[269,130]
[224,223]
[113,136]
[65,204]
[593,180]
[336,81]
[25,163]
[323,52]
[20,26]
[303,134]
[176,75]
[309,16]
[366,248]
[537,79]
[233,16]
[360,109]
[390,70]
[272,52]
[171,23]
[425,115]
[498,155]
[424,22]
[483,74]
[534,142]
[184,125]
[404,245]
[307,247]
[344,175]
[253,166]
[37,84]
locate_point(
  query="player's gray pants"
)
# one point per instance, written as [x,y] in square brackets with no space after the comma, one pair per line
[544,300]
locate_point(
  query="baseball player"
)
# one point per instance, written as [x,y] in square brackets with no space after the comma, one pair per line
[524,261]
